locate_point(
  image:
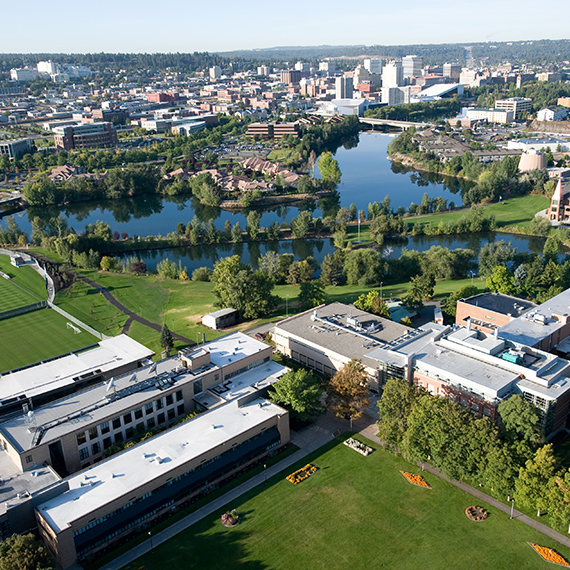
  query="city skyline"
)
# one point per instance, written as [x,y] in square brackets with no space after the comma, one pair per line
[127,27]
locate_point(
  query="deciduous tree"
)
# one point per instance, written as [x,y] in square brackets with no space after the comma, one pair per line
[347,390]
[300,391]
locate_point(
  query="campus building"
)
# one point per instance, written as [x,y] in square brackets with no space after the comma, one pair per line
[85,135]
[488,311]
[559,210]
[518,105]
[74,432]
[15,148]
[115,497]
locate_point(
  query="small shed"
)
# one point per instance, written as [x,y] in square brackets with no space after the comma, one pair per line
[220,319]
[17,260]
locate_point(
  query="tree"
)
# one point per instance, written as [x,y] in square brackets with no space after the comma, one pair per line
[253,219]
[24,552]
[421,288]
[299,391]
[520,427]
[371,302]
[532,486]
[236,285]
[330,172]
[396,404]
[347,390]
[501,280]
[301,224]
[449,304]
[236,233]
[166,340]
[363,267]
[312,294]
[494,253]
[559,500]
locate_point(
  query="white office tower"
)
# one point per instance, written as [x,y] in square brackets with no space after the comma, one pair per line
[392,74]
[48,67]
[361,74]
[263,70]
[394,96]
[343,87]
[327,66]
[373,65]
[215,72]
[452,70]
[412,66]
[303,67]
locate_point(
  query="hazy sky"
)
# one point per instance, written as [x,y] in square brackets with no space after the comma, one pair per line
[222,25]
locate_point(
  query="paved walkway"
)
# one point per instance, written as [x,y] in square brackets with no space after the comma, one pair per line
[130,314]
[309,440]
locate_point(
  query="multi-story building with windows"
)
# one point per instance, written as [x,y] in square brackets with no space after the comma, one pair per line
[518,105]
[74,432]
[412,66]
[392,74]
[85,135]
[15,148]
[100,505]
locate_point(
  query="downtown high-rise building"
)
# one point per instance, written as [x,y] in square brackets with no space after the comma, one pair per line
[344,87]
[412,65]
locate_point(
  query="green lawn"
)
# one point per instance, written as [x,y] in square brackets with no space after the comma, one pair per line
[12,297]
[35,336]
[516,212]
[279,154]
[354,512]
[90,307]
[31,280]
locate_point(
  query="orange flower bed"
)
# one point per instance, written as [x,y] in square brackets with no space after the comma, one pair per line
[415,479]
[301,474]
[549,555]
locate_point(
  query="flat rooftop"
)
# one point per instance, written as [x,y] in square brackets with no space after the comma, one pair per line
[58,373]
[126,472]
[25,484]
[98,402]
[503,304]
[331,329]
[539,323]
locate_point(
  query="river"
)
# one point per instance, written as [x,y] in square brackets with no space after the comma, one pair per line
[367,176]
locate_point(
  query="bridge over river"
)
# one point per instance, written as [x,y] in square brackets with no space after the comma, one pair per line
[391,123]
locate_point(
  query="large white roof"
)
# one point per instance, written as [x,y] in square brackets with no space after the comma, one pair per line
[128,471]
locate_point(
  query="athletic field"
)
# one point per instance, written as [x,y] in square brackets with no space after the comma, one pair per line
[36,336]
[12,297]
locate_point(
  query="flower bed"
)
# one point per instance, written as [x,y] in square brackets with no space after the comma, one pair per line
[231,518]
[476,514]
[415,479]
[549,555]
[301,474]
[358,446]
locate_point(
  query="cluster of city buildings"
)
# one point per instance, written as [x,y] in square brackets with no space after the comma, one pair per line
[56,72]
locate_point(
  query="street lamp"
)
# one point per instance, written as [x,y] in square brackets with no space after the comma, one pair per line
[150,538]
[512,507]
[381,297]
[287,304]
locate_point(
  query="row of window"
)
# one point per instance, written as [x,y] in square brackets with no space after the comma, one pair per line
[128,418]
[318,366]
[119,436]
[246,368]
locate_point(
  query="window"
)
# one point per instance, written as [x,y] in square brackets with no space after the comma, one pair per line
[171,414]
[129,433]
[140,426]
[159,404]
[169,400]
[118,437]
[127,418]
[104,427]
[197,387]
[150,423]
[83,454]
[160,418]
[179,396]
[29,459]
[180,409]
[81,439]
[138,414]
[311,362]
[149,408]
[116,423]
[93,434]
[95,448]
[107,443]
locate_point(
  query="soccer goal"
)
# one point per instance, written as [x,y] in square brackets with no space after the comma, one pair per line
[76,330]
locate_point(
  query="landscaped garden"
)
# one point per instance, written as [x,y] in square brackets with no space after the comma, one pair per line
[354,512]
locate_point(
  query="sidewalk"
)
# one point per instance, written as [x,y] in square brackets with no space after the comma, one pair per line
[309,440]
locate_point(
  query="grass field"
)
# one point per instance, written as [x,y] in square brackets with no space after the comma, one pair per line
[12,297]
[26,277]
[354,512]
[45,331]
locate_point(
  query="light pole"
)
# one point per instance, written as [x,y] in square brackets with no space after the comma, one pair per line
[150,538]
[472,273]
[381,296]
[512,507]
[287,304]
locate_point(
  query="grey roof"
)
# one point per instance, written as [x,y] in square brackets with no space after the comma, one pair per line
[331,330]
[538,324]
[503,304]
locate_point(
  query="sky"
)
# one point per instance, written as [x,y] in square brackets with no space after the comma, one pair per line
[189,25]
